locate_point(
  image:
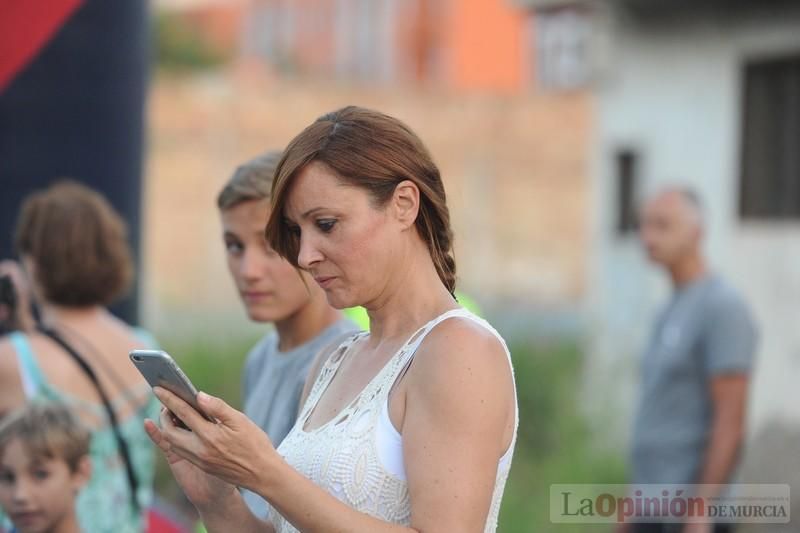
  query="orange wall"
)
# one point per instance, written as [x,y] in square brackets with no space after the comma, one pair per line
[484,42]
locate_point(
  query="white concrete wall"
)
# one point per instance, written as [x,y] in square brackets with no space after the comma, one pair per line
[673,93]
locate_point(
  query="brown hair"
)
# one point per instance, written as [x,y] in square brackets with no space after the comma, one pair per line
[250,181]
[375,152]
[78,244]
[47,431]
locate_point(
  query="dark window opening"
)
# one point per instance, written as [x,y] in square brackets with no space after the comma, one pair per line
[770,171]
[627,178]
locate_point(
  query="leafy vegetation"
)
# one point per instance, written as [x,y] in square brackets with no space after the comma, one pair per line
[554,443]
[178,46]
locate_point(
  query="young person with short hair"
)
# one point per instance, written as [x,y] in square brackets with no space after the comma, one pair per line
[44,464]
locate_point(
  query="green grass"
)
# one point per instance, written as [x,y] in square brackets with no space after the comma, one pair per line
[554,443]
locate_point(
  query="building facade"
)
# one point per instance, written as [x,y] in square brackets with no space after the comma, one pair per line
[704,94]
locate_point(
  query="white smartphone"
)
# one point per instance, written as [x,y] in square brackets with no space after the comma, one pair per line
[160,370]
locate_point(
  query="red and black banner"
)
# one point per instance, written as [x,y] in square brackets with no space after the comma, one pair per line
[25,27]
[73,77]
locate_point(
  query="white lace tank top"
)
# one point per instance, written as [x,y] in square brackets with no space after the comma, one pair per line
[358,456]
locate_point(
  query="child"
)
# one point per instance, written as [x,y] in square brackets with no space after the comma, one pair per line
[44,463]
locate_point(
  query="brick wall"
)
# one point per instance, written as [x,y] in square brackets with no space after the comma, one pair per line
[514,167]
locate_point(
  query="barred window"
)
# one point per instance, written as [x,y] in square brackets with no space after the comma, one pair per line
[770,166]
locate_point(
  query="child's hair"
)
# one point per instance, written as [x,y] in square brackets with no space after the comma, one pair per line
[47,431]
[250,181]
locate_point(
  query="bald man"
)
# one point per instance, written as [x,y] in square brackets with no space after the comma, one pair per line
[689,425]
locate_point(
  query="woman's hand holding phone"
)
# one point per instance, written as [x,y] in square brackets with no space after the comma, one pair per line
[160,370]
[233,449]
[211,448]
[202,489]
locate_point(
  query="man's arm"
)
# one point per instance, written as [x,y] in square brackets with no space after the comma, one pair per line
[729,349]
[730,345]
[729,400]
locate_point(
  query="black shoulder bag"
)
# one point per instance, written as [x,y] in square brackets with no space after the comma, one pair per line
[112,416]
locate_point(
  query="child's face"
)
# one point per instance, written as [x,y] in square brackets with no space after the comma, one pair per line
[38,494]
[270,287]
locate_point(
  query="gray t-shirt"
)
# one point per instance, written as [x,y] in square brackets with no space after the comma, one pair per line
[272,383]
[705,330]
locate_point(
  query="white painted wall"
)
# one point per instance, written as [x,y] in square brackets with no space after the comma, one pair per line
[672,92]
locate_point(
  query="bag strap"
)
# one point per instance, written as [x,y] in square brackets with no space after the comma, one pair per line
[112,416]
[109,371]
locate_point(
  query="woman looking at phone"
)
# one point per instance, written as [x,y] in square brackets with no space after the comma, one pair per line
[74,250]
[408,427]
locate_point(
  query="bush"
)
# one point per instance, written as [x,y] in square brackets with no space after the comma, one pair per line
[179,46]
[554,442]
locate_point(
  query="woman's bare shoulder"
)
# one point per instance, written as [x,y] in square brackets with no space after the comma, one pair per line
[466,336]
[461,351]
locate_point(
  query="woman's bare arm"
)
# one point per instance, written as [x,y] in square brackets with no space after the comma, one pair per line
[459,421]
